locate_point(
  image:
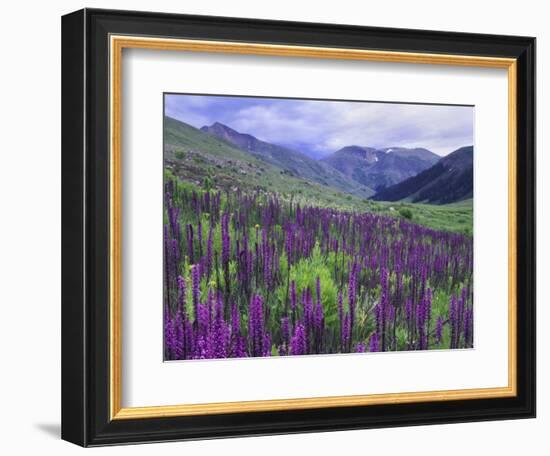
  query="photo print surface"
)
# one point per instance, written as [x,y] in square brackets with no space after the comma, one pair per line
[314,227]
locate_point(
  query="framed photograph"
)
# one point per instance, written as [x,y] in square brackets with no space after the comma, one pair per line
[278,227]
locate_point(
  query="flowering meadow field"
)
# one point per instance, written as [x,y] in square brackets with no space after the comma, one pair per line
[256,273]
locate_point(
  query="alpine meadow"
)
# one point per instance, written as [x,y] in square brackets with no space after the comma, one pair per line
[302,227]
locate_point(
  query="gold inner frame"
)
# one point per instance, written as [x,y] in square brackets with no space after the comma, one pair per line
[117,44]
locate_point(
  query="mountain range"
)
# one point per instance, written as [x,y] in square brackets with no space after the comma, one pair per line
[448,181]
[381,174]
[380,168]
[199,158]
[293,162]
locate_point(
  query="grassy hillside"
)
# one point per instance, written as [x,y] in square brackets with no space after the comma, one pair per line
[205,160]
[457,217]
[294,162]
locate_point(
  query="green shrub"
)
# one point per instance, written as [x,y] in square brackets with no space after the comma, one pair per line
[405,212]
[208,183]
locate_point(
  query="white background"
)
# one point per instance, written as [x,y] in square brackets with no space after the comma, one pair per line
[30,230]
[148,73]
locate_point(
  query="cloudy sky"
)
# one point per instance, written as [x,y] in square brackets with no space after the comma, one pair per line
[321,127]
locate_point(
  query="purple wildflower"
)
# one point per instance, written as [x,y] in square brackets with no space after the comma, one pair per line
[298,342]
[293,295]
[195,283]
[209,251]
[190,242]
[226,241]
[373,343]
[256,326]
[181,294]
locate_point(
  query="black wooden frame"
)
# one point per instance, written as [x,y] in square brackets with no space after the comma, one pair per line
[85,225]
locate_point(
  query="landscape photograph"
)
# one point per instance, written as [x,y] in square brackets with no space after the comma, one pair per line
[315,227]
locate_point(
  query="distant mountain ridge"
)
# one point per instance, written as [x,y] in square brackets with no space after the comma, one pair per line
[382,174]
[412,152]
[241,140]
[448,181]
[293,162]
[201,159]
[380,168]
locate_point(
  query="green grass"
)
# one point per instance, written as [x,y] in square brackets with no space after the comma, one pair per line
[456,217]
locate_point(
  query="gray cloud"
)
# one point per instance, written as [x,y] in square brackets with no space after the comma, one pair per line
[322,127]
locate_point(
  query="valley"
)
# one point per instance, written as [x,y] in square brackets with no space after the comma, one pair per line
[399,182]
